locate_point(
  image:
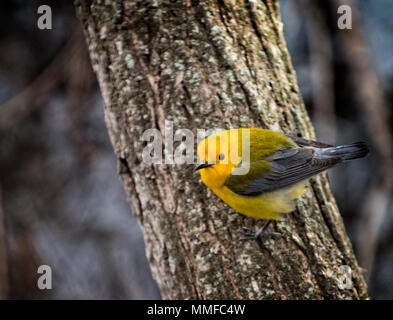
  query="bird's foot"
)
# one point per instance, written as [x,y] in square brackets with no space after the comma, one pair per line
[249,234]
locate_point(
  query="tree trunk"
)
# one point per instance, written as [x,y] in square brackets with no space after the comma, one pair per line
[212,64]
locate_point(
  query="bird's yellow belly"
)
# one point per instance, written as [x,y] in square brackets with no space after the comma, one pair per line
[270,205]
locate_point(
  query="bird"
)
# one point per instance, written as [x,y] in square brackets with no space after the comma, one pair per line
[259,172]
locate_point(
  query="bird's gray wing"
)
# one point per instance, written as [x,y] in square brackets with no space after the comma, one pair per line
[301,142]
[287,167]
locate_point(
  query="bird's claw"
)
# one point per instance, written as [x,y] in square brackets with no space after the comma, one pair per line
[249,234]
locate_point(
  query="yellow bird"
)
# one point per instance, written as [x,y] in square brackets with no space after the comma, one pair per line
[260,172]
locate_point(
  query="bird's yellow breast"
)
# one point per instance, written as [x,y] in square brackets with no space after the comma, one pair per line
[270,205]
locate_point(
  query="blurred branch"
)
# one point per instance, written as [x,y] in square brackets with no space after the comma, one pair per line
[373,107]
[80,83]
[35,94]
[24,260]
[3,256]
[321,71]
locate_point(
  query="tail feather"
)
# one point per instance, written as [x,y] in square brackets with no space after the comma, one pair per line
[346,152]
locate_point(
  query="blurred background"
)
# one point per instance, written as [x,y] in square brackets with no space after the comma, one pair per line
[61,201]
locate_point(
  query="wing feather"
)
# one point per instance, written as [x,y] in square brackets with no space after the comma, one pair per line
[286,167]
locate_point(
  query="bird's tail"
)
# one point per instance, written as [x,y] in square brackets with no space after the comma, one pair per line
[346,152]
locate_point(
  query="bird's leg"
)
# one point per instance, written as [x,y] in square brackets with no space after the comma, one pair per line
[253,235]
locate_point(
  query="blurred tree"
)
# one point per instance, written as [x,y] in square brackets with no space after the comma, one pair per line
[204,64]
[3,257]
[363,87]
[63,204]
[369,98]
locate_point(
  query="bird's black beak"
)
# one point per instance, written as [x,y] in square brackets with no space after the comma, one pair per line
[202,164]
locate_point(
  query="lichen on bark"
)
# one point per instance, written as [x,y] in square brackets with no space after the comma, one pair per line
[206,64]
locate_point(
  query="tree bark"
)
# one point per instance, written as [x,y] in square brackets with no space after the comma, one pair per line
[212,64]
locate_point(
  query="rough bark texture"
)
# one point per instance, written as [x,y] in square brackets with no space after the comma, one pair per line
[207,64]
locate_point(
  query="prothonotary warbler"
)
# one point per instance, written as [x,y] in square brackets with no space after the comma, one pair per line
[260,172]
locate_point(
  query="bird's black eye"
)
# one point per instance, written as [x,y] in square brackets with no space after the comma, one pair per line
[221,156]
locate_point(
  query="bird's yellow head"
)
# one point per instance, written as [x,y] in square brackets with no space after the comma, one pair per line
[218,155]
